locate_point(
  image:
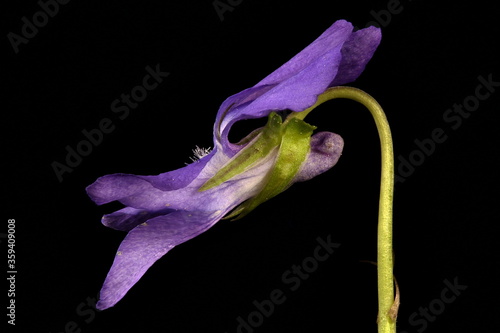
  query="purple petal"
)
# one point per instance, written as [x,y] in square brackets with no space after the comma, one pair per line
[128,218]
[295,85]
[333,37]
[326,149]
[356,53]
[296,93]
[140,193]
[116,187]
[179,178]
[120,185]
[147,243]
[338,56]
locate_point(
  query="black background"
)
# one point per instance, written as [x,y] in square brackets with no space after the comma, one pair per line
[445,216]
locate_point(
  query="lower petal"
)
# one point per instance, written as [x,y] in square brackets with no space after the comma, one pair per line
[147,243]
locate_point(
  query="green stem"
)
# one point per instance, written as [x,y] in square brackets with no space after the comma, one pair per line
[386,324]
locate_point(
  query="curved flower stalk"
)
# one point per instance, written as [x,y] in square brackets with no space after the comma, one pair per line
[388,305]
[166,210]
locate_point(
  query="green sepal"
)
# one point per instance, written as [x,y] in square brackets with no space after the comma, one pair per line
[293,150]
[259,147]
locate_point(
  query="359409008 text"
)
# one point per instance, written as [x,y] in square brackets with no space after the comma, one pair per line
[11,271]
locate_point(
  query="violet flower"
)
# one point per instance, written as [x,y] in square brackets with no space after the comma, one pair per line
[168,209]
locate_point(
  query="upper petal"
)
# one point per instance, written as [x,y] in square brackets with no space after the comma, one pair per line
[295,93]
[147,243]
[331,38]
[356,53]
[337,57]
